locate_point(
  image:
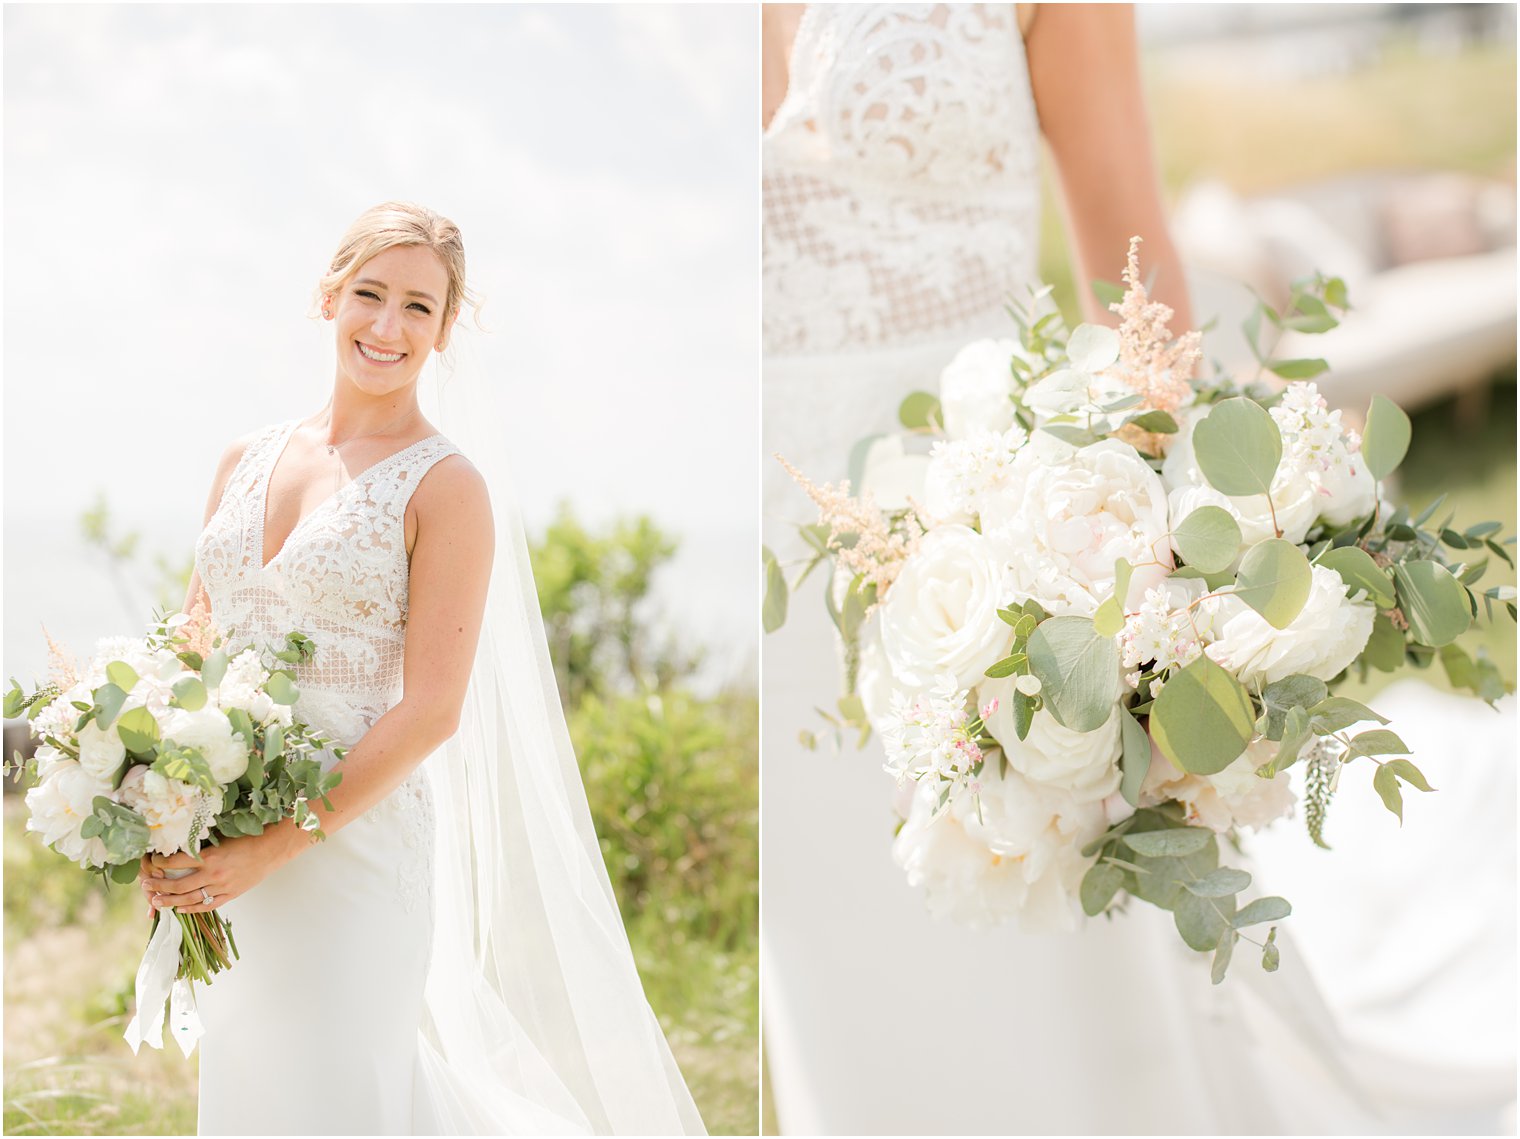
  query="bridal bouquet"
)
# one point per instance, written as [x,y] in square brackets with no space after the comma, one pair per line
[161,744]
[1097,621]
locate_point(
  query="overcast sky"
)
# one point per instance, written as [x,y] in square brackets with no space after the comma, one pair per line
[176,178]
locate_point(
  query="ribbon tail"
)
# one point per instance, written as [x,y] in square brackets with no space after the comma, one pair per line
[184,1022]
[155,978]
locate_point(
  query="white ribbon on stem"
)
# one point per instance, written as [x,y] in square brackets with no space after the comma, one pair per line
[157,987]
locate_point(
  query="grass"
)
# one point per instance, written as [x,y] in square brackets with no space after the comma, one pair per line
[71,948]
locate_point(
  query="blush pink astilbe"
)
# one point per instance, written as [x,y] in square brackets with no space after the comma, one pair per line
[877,553]
[1150,361]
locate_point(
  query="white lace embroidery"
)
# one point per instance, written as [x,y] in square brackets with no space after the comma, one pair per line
[341,578]
[901,176]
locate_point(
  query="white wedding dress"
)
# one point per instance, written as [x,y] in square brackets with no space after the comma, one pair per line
[373,994]
[901,210]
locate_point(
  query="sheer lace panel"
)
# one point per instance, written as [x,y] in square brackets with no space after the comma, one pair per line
[341,578]
[901,176]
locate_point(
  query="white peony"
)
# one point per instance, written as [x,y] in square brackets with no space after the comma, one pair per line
[169,807]
[1018,852]
[1321,641]
[209,732]
[1086,764]
[100,750]
[941,613]
[1069,514]
[59,805]
[976,388]
[1234,797]
[1345,492]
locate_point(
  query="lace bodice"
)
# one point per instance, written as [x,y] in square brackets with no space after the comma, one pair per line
[901,176]
[340,578]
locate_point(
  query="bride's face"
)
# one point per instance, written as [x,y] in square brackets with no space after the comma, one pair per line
[389,315]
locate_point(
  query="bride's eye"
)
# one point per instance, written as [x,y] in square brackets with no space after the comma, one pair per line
[422,308]
[367,293]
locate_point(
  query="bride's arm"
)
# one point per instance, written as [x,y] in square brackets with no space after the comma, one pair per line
[450,570]
[1084,68]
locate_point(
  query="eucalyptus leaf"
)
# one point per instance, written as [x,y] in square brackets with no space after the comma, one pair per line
[1296,691]
[1202,921]
[121,674]
[1222,958]
[1337,712]
[1092,347]
[1296,733]
[1270,908]
[190,693]
[281,688]
[1378,741]
[1108,621]
[1156,421]
[774,607]
[214,669]
[1305,369]
[138,730]
[1220,883]
[1274,579]
[1135,759]
[1099,885]
[1023,714]
[1078,669]
[1208,538]
[920,411]
[108,698]
[1385,439]
[1237,447]
[1385,648]
[1174,842]
[1203,719]
[1360,573]
[1434,602]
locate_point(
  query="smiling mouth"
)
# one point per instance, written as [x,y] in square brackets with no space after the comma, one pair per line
[376,356]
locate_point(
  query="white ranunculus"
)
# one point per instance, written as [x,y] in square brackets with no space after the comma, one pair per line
[1069,514]
[976,388]
[941,613]
[892,476]
[1086,764]
[58,807]
[209,732]
[1234,797]
[169,807]
[1017,853]
[1321,641]
[100,750]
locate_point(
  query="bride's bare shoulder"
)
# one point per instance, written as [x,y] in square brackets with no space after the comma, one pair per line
[453,488]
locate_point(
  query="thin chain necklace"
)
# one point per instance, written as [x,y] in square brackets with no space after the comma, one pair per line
[332,448]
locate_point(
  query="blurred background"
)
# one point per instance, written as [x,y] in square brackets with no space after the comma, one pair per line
[1375,142]
[177,178]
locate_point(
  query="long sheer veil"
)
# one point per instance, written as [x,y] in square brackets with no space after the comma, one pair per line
[536,1020]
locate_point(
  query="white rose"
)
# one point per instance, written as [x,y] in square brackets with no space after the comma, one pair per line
[941,613]
[1069,514]
[100,751]
[169,807]
[1321,641]
[210,733]
[59,806]
[1086,764]
[1234,797]
[1018,853]
[976,388]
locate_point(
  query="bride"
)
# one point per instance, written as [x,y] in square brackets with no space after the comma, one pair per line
[901,209]
[450,958]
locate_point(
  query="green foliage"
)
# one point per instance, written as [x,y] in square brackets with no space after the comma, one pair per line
[1078,669]
[591,588]
[1203,718]
[1385,441]
[1208,538]
[1274,580]
[920,411]
[1360,573]
[1238,447]
[1319,787]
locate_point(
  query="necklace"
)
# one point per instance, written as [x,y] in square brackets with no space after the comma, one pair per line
[332,448]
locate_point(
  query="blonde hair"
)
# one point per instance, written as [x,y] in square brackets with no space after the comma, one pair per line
[389,225]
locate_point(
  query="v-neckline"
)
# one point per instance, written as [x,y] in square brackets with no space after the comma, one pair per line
[263,502]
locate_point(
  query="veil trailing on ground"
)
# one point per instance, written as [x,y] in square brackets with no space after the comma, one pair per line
[536,1020]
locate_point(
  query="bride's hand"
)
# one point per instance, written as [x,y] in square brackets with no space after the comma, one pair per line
[223,872]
